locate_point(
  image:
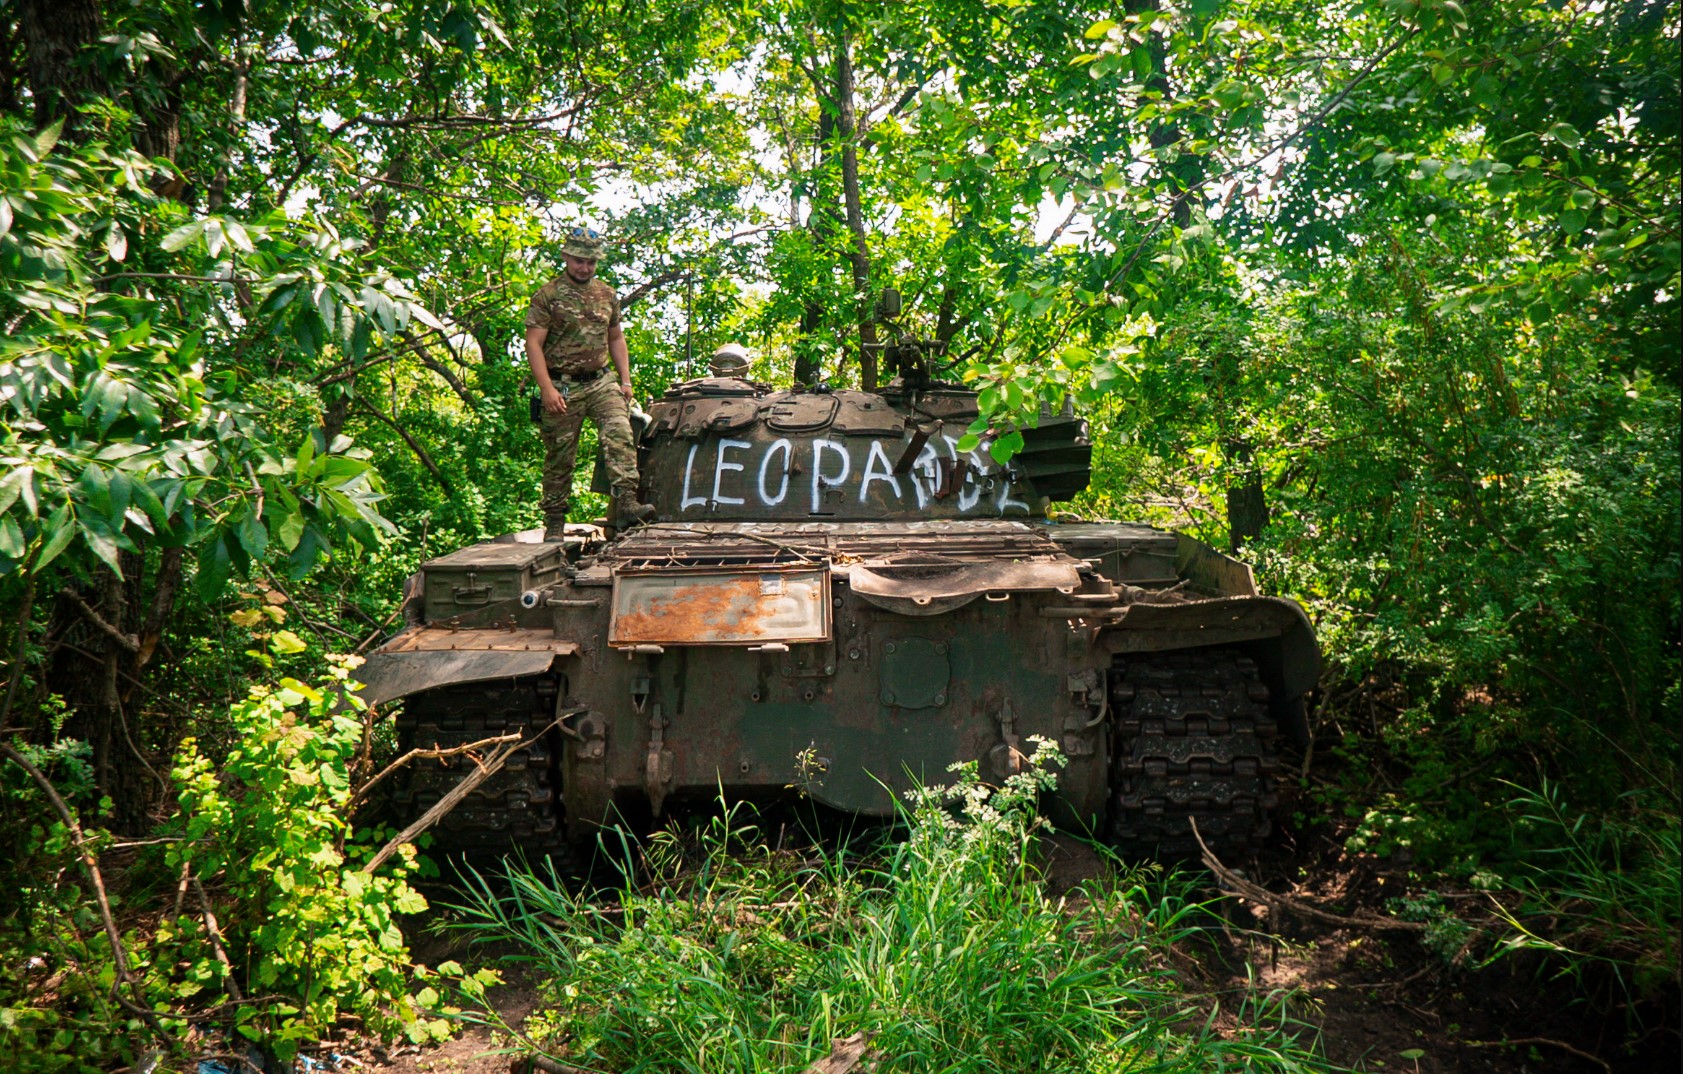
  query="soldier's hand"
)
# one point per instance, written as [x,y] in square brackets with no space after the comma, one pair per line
[552,401]
[625,390]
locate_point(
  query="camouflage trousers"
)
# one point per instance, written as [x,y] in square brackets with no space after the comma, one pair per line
[600,401]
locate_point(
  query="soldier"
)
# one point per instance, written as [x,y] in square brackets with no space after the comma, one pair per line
[572,329]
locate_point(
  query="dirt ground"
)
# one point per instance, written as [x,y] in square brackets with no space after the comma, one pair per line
[1378,1001]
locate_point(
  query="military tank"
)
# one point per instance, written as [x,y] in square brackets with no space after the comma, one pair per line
[835,597]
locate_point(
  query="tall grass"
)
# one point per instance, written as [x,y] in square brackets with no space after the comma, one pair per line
[941,945]
[1601,891]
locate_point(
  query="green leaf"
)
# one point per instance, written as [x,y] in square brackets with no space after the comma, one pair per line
[285,643]
[1567,135]
[48,137]
[966,443]
[11,538]
[1006,446]
[179,238]
[215,566]
[59,532]
[290,529]
[116,243]
[1099,29]
[103,543]
[11,486]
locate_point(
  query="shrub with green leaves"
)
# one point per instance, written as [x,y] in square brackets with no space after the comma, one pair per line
[268,831]
[277,930]
[941,946]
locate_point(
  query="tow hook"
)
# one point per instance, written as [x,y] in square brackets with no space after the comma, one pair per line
[1007,757]
[657,767]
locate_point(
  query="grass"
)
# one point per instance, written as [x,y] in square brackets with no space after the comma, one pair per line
[940,944]
[1603,891]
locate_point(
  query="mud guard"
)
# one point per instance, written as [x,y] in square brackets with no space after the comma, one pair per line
[424,658]
[1275,630]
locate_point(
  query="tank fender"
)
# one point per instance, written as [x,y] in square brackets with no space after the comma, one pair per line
[424,658]
[1276,629]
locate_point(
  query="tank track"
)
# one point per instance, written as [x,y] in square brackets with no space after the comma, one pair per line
[517,809]
[1192,738]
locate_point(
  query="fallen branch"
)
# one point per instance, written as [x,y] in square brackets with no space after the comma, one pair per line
[414,755]
[1516,1042]
[543,1064]
[845,1055]
[483,771]
[1237,886]
[90,863]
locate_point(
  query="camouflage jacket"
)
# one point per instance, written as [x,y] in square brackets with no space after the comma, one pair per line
[578,317]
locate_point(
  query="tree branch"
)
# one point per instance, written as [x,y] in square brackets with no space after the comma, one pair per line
[90,863]
[128,642]
[414,445]
[485,770]
[1239,887]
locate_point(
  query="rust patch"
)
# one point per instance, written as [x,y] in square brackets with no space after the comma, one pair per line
[723,608]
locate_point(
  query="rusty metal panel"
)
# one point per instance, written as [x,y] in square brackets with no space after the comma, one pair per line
[928,576]
[1212,571]
[721,607]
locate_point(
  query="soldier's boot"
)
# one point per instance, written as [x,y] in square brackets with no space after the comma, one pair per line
[628,512]
[555,526]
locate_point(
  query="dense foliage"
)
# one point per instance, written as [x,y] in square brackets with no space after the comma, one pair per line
[1383,295]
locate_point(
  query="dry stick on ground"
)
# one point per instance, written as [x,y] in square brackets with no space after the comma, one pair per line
[119,957]
[1233,884]
[846,1053]
[1516,1042]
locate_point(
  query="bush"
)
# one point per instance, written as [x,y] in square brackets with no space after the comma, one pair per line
[273,910]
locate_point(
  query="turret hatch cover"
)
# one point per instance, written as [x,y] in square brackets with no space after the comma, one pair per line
[801,413]
[715,415]
[864,414]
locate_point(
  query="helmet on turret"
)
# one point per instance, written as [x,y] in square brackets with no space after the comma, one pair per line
[730,360]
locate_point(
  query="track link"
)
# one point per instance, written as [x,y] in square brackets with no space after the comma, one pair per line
[1193,739]
[518,808]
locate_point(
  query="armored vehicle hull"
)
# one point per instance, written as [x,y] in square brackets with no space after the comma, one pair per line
[838,600]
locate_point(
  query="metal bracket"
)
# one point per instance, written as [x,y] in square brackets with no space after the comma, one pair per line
[470,593]
[657,767]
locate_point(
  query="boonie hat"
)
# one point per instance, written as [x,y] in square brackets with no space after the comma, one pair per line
[583,242]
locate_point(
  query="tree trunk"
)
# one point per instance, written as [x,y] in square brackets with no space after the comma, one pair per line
[64,68]
[90,633]
[859,256]
[821,225]
[1247,506]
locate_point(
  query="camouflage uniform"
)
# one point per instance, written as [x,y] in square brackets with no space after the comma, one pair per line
[578,317]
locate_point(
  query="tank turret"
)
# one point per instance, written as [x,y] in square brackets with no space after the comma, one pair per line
[725,449]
